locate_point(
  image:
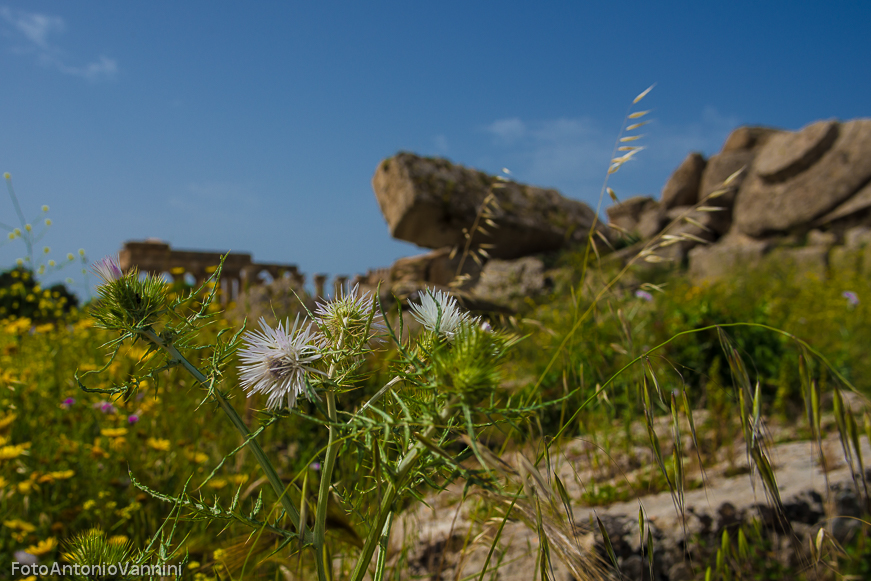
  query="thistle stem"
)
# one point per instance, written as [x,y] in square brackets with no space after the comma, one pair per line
[386,508]
[320,529]
[264,462]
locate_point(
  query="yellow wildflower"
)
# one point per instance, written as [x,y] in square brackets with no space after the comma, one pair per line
[114,432]
[19,525]
[158,444]
[89,504]
[42,547]
[219,554]
[7,421]
[3,483]
[26,486]
[197,457]
[194,565]
[60,475]
[238,479]
[218,483]
[117,444]
[9,452]
[118,540]
[46,328]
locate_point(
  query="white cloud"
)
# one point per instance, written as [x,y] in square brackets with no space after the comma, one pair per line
[34,31]
[440,142]
[507,130]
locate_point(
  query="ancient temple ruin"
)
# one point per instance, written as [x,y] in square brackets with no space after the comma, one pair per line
[239,269]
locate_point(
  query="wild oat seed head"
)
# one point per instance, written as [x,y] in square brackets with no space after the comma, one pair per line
[275,361]
[28,227]
[45,208]
[438,312]
[107,269]
[81,251]
[70,256]
[6,175]
[349,312]
[47,222]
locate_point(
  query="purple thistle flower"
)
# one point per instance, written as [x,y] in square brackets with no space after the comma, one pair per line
[69,401]
[133,419]
[315,466]
[105,407]
[642,294]
[852,298]
[108,269]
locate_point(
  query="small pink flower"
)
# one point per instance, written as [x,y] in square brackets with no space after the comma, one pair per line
[852,298]
[642,294]
[133,419]
[68,403]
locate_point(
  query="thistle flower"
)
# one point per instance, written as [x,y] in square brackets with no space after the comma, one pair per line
[438,312]
[275,361]
[108,269]
[350,313]
[852,298]
[642,294]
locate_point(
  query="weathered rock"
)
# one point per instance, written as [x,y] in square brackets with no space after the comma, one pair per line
[720,167]
[748,138]
[820,238]
[762,207]
[855,208]
[626,214]
[651,221]
[682,188]
[788,154]
[507,282]
[733,253]
[430,201]
[683,220]
[857,237]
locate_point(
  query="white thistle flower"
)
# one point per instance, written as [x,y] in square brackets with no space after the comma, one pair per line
[350,312]
[440,308]
[108,269]
[275,361]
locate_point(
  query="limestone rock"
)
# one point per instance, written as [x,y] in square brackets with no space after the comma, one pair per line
[506,282]
[820,238]
[720,167]
[626,214]
[857,237]
[734,252]
[853,209]
[762,207]
[788,154]
[748,138]
[682,188]
[430,201]
[651,221]
[435,268]
[684,220]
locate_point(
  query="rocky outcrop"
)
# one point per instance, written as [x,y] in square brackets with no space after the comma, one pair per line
[793,199]
[800,176]
[432,202]
[682,188]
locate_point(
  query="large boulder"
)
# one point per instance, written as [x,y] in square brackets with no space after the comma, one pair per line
[682,188]
[787,190]
[625,216]
[432,202]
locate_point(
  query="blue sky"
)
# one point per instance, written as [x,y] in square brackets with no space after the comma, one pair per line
[257,127]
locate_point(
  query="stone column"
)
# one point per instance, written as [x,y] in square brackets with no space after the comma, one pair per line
[320,281]
[339,286]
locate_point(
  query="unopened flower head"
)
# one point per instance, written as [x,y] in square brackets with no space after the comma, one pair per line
[108,269]
[439,313]
[276,361]
[351,314]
